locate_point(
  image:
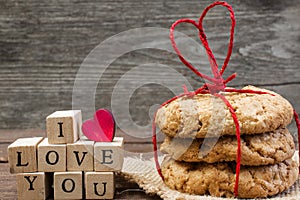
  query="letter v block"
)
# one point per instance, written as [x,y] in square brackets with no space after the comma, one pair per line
[68,185]
[109,156]
[52,157]
[80,156]
[34,185]
[99,185]
[64,127]
[22,155]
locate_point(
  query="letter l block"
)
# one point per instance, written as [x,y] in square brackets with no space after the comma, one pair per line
[22,155]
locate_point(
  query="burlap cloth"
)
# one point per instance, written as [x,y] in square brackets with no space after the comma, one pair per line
[143,172]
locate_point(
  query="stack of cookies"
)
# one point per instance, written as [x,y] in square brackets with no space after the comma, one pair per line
[201,144]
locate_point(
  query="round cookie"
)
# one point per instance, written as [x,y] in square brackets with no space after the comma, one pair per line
[219,179]
[263,149]
[207,116]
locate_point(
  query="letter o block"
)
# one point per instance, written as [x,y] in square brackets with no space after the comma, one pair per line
[52,157]
[68,185]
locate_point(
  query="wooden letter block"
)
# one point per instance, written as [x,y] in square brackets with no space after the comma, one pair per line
[52,157]
[99,185]
[68,185]
[34,185]
[64,126]
[22,155]
[80,156]
[109,156]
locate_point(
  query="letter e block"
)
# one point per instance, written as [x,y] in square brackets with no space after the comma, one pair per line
[52,157]
[109,156]
[80,156]
[64,127]
[99,185]
[22,155]
[34,185]
[68,185]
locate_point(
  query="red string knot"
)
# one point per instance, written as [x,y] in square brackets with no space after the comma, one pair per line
[187,92]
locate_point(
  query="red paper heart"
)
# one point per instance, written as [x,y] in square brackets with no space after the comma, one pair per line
[101,128]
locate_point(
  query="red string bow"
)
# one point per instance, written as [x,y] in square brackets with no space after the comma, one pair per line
[215,85]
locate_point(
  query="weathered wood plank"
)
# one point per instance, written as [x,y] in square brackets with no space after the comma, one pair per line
[43,44]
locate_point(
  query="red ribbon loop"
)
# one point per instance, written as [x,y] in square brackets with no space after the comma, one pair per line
[217,82]
[203,36]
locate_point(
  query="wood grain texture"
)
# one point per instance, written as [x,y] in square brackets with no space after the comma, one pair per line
[43,44]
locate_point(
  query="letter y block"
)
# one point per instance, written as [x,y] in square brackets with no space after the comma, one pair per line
[34,185]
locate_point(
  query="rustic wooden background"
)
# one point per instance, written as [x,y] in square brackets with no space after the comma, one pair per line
[43,43]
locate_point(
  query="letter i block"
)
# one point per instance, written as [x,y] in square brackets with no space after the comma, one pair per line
[99,185]
[22,155]
[68,185]
[109,156]
[64,127]
[52,157]
[34,185]
[80,156]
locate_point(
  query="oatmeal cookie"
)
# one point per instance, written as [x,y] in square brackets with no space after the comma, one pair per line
[207,116]
[263,149]
[219,179]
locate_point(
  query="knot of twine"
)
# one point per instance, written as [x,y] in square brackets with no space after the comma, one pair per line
[215,85]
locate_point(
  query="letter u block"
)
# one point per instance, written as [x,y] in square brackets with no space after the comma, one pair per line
[22,155]
[34,185]
[109,156]
[99,185]
[68,185]
[52,157]
[64,127]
